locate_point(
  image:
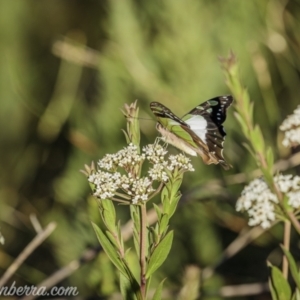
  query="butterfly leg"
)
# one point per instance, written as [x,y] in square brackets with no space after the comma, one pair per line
[158,139]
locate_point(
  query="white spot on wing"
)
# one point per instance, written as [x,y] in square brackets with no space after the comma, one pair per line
[199,125]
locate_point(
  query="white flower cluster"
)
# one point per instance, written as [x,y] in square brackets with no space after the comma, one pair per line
[180,161]
[125,158]
[108,182]
[260,203]
[291,128]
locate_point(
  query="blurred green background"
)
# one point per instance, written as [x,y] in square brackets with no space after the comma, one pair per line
[68,67]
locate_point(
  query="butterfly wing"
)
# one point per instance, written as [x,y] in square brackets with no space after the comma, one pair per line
[173,129]
[206,122]
[198,132]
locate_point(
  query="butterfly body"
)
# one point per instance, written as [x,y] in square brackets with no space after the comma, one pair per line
[199,132]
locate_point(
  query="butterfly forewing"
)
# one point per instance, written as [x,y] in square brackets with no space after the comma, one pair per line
[161,111]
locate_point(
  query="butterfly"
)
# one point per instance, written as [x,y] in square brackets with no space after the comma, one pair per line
[200,131]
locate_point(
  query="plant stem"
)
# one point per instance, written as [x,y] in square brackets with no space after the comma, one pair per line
[157,191]
[286,244]
[143,245]
[294,221]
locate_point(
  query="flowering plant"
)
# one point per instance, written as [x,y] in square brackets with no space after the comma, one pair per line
[269,199]
[121,178]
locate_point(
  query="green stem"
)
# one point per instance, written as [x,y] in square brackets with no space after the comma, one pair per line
[286,244]
[292,218]
[158,190]
[143,244]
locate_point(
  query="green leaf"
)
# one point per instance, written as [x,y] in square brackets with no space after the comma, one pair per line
[296,295]
[250,108]
[153,235]
[292,265]
[280,284]
[163,223]
[176,185]
[108,213]
[125,287]
[110,250]
[158,212]
[242,123]
[119,233]
[249,148]
[272,290]
[173,204]
[165,202]
[165,193]
[126,136]
[157,294]
[257,139]
[112,239]
[136,241]
[148,284]
[160,254]
[270,159]
[135,216]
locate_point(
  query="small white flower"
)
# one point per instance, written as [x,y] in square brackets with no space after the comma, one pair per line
[180,161]
[259,202]
[127,157]
[294,199]
[154,153]
[291,128]
[105,183]
[107,180]
[141,189]
[283,182]
[157,173]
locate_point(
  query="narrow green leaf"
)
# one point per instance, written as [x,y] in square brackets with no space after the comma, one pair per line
[125,287]
[136,241]
[176,185]
[135,216]
[242,123]
[165,193]
[257,139]
[173,204]
[108,213]
[165,202]
[158,292]
[163,223]
[110,250]
[160,254]
[270,159]
[249,148]
[292,265]
[158,212]
[148,284]
[112,239]
[119,233]
[272,290]
[126,136]
[296,295]
[280,284]
[250,108]
[153,235]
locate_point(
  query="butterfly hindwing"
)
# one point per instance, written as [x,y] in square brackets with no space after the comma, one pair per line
[213,110]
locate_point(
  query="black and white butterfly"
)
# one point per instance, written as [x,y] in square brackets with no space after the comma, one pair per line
[198,132]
